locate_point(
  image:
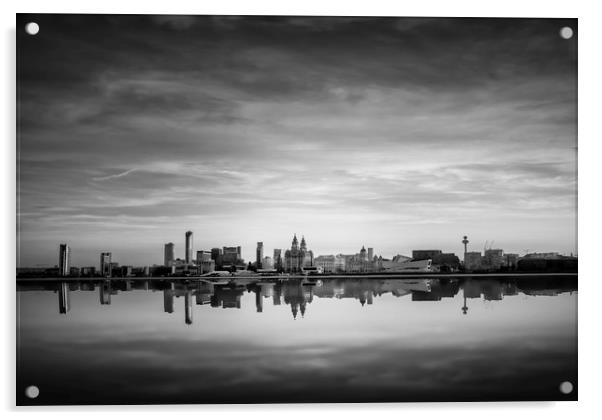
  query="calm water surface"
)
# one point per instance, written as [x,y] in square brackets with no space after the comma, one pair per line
[331,340]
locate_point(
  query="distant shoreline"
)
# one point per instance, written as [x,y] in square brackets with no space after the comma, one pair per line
[307,277]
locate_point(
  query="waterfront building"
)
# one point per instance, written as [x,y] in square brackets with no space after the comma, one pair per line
[340,263]
[544,255]
[510,260]
[204,261]
[232,255]
[216,255]
[472,261]
[64,259]
[267,263]
[105,264]
[88,271]
[370,254]
[188,256]
[413,266]
[326,262]
[446,262]
[169,255]
[278,266]
[74,271]
[298,257]
[259,255]
[493,259]
[425,254]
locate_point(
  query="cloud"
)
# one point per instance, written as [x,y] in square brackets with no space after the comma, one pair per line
[263,123]
[119,175]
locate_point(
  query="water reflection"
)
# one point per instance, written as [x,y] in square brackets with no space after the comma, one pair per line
[137,340]
[299,294]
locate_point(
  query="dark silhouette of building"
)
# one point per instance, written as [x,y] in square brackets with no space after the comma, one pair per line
[105,264]
[169,254]
[64,260]
[188,257]
[259,255]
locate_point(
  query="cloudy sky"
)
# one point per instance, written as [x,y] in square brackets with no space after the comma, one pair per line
[397,134]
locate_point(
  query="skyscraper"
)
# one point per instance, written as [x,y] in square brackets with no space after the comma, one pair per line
[105,264]
[169,254]
[64,260]
[259,255]
[216,255]
[278,259]
[370,254]
[188,247]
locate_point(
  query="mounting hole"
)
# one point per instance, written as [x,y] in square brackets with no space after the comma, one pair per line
[566,387]
[566,32]
[32,391]
[32,28]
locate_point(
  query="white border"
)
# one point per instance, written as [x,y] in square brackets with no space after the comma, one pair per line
[590,71]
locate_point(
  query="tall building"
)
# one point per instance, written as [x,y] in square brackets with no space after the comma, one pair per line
[298,257]
[216,255]
[188,257]
[169,255]
[105,264]
[278,259]
[259,255]
[370,254]
[64,259]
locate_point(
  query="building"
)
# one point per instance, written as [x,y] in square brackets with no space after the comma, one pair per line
[232,255]
[326,262]
[545,255]
[446,262]
[267,263]
[472,261]
[510,261]
[88,271]
[64,260]
[298,257]
[493,259]
[105,264]
[278,266]
[425,254]
[359,263]
[216,255]
[204,261]
[370,254]
[259,255]
[169,254]
[340,263]
[188,257]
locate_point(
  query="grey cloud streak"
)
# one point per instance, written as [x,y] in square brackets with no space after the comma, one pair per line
[243,120]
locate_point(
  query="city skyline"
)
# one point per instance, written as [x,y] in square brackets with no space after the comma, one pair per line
[396,133]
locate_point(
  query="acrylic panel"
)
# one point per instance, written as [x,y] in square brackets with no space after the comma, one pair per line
[295,209]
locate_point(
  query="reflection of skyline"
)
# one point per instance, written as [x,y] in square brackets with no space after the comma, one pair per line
[298,294]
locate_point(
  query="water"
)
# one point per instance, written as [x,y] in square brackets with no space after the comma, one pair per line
[338,340]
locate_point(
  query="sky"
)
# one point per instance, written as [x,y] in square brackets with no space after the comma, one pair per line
[391,133]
